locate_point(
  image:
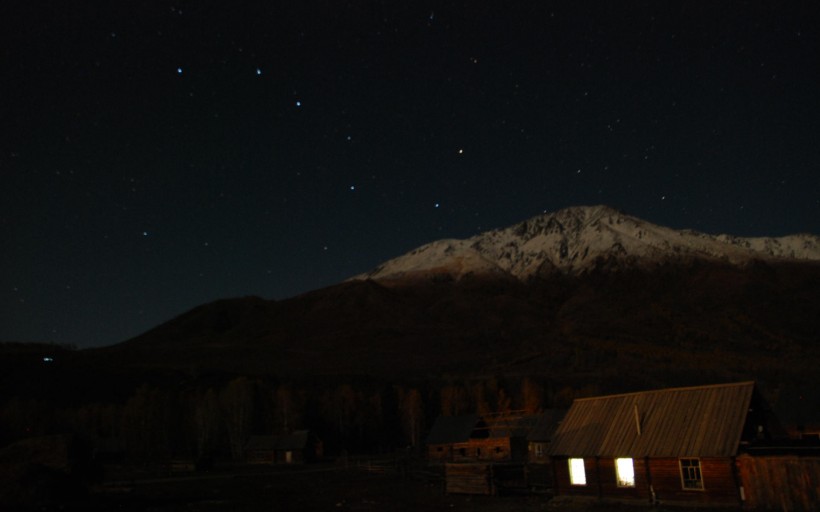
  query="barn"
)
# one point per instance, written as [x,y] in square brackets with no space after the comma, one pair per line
[672,445]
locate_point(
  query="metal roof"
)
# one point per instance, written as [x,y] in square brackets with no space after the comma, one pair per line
[679,422]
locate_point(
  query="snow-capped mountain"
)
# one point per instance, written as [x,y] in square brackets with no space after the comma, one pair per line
[575,240]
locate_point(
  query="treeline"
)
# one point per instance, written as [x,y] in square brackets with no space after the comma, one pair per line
[159,422]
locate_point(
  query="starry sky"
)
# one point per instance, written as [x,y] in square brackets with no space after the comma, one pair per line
[158,155]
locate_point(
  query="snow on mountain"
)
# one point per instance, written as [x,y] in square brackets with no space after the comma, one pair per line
[577,239]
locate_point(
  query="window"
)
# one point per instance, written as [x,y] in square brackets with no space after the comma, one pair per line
[625,472]
[577,475]
[539,450]
[690,474]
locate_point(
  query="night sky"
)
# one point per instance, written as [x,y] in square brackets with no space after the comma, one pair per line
[157,155]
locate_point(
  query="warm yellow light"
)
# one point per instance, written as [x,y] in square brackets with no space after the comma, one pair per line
[577,474]
[626,472]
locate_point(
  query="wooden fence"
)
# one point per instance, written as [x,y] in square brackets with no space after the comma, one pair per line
[780,482]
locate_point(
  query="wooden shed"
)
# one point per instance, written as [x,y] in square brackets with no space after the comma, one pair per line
[296,447]
[669,445]
[450,435]
[493,437]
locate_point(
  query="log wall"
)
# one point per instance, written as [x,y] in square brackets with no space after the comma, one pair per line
[720,484]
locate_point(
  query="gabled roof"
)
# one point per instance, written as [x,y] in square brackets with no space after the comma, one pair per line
[680,422]
[453,429]
[546,425]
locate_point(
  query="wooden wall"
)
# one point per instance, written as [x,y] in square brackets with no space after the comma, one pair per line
[720,484]
[663,475]
[490,449]
[785,482]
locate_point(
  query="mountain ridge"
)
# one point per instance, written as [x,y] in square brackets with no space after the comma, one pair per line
[578,239]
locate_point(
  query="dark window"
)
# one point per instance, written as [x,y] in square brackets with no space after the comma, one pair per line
[690,474]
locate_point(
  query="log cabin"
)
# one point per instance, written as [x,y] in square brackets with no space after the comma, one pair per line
[672,445]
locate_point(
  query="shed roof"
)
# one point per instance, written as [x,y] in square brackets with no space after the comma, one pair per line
[678,422]
[453,429]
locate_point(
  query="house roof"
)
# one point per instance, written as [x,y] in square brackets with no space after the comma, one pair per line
[546,424]
[452,429]
[296,440]
[680,422]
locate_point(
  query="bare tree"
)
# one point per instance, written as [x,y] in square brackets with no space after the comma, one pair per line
[237,401]
[411,408]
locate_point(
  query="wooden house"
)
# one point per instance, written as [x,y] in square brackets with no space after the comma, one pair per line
[539,474]
[670,445]
[481,454]
[297,447]
[469,438]
[450,435]
[540,435]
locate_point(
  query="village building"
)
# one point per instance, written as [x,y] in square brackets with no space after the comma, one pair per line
[689,445]
[482,453]
[539,475]
[297,447]
[540,435]
[450,436]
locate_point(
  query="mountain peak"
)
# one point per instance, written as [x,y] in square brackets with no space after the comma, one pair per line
[579,239]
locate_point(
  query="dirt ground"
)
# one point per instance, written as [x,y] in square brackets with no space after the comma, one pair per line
[317,488]
[304,489]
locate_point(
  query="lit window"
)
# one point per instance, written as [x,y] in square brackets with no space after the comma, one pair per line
[690,474]
[577,475]
[626,472]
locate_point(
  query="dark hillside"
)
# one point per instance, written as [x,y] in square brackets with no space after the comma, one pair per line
[634,328]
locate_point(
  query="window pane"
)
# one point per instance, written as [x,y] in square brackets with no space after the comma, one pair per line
[690,474]
[577,475]
[626,472]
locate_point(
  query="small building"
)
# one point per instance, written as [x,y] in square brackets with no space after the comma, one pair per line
[669,445]
[481,455]
[450,435]
[297,447]
[539,466]
[540,436]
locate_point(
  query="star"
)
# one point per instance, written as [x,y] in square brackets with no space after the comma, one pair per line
[179,71]
[258,71]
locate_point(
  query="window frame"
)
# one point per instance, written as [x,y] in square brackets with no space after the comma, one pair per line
[695,465]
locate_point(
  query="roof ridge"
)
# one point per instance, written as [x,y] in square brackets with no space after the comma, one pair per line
[665,390]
